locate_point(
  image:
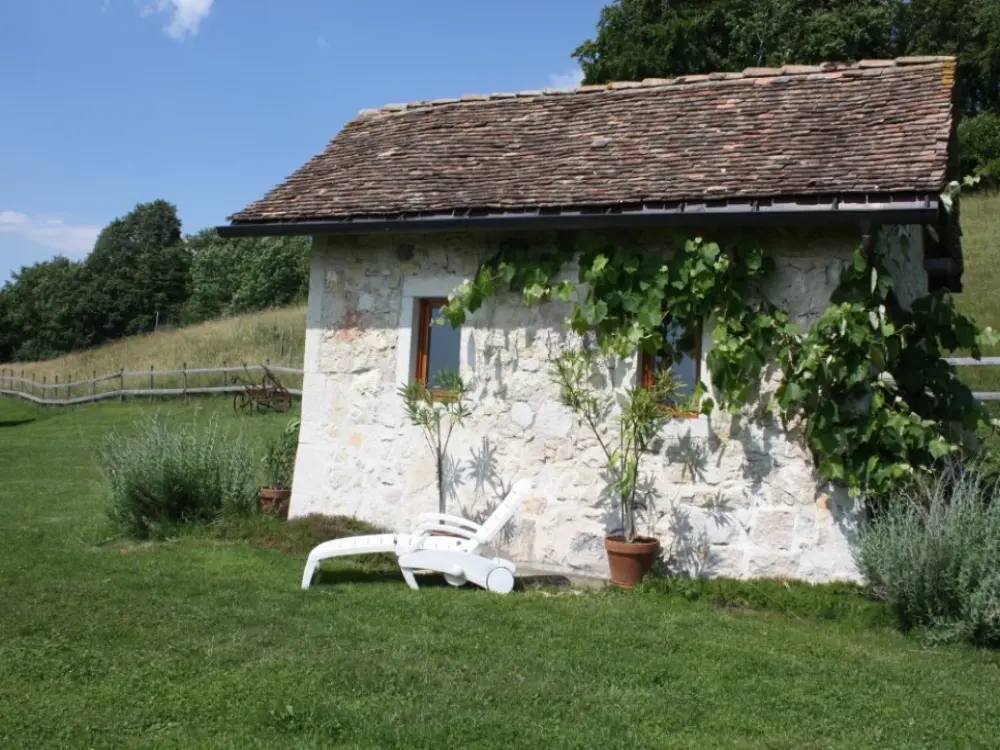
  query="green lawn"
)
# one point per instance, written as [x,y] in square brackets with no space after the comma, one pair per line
[980,216]
[200,643]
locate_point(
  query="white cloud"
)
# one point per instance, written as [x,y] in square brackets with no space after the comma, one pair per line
[566,80]
[185,15]
[51,232]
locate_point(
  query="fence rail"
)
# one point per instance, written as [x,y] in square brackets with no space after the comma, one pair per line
[161,383]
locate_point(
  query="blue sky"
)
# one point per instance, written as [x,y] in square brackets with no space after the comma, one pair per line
[209,103]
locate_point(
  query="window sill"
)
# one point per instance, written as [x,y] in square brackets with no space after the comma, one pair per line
[696,426]
[681,414]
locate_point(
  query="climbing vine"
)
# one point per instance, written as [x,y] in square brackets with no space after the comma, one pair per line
[868,383]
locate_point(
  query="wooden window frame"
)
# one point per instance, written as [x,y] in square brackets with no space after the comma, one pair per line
[424,341]
[647,368]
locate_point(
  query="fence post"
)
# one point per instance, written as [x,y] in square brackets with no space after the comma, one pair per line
[184,374]
[69,386]
[150,382]
[121,385]
[225,375]
[93,384]
[55,388]
[34,385]
[21,384]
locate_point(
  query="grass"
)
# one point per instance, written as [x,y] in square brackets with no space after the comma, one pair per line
[979,299]
[206,641]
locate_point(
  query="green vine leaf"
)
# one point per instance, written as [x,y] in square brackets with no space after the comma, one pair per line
[878,401]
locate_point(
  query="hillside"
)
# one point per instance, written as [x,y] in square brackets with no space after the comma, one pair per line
[981,296]
[981,245]
[275,335]
[278,335]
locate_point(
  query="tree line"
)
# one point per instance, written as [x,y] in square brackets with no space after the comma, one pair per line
[639,39]
[144,273]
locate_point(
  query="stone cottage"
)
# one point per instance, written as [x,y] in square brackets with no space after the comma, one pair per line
[408,199]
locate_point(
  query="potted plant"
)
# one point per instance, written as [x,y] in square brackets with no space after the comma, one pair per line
[624,424]
[279,465]
[437,412]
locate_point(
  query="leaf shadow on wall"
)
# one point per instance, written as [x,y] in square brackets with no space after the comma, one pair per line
[489,488]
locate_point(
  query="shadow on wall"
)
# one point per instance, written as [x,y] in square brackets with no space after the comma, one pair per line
[693,551]
[489,488]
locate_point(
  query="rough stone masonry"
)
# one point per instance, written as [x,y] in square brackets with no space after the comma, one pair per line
[730,496]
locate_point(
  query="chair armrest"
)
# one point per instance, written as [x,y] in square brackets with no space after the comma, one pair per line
[425,529]
[451,520]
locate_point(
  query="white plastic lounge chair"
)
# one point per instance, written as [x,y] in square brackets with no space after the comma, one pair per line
[462,556]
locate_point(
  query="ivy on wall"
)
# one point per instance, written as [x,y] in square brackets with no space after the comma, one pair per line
[868,381]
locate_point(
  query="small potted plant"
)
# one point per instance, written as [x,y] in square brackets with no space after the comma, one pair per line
[279,465]
[640,415]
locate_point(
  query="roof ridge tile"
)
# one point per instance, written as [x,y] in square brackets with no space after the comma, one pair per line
[866,67]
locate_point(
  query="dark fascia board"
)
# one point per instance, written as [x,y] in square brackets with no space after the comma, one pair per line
[887,209]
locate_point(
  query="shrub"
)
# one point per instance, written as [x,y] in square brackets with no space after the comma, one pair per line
[979,147]
[279,460]
[168,474]
[933,556]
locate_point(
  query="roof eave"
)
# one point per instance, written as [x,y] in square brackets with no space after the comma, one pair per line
[908,208]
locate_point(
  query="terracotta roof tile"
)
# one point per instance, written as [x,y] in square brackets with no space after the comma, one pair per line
[875,127]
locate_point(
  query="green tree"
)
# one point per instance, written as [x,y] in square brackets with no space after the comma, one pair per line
[979,146]
[969,29]
[6,331]
[230,276]
[275,273]
[137,273]
[660,38]
[216,272]
[42,311]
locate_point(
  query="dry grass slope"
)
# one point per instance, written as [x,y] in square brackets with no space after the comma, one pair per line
[275,335]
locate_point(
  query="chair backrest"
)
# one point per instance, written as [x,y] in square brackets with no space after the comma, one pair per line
[503,512]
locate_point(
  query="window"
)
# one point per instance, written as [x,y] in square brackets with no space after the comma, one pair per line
[686,367]
[438,344]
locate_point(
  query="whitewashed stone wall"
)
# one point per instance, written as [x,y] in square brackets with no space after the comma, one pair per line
[733,496]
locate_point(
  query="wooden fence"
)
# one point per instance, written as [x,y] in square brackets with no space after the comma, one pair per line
[124,384]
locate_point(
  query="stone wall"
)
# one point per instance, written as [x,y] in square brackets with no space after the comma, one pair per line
[729,495]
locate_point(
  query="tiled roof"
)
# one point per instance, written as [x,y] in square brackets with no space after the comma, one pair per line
[879,126]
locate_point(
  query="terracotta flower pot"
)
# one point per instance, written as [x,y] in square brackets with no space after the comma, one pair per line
[275,502]
[630,561]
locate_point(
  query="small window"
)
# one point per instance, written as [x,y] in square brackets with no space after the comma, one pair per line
[686,367]
[438,344]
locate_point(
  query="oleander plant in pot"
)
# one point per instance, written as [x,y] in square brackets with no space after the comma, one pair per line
[437,411]
[279,466]
[624,423]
